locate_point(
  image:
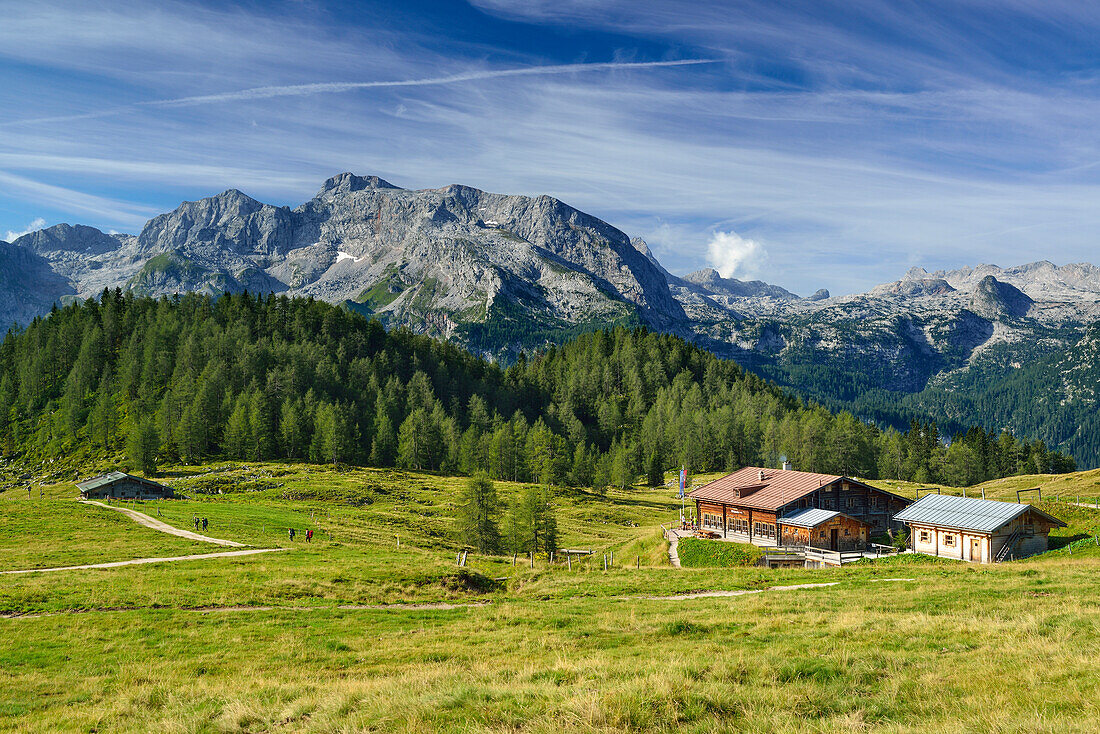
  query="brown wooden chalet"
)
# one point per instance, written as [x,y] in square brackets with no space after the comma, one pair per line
[768,507]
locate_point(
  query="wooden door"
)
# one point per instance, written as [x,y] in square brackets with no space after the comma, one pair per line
[834,539]
[976,549]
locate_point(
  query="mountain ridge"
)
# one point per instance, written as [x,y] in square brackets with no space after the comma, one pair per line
[501,274]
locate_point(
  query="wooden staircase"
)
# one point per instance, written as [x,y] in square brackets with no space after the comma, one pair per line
[1007,547]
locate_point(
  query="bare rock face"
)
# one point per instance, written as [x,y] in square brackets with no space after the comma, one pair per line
[28,285]
[710,280]
[996,300]
[435,260]
[916,287]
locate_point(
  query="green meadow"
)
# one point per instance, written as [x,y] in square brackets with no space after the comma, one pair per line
[374,626]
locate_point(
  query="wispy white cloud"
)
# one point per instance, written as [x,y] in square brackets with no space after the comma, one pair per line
[302,90]
[37,224]
[125,213]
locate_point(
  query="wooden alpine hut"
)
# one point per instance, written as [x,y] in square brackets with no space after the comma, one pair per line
[977,530]
[122,486]
[767,507]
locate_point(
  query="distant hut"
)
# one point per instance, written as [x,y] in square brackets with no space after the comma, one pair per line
[122,486]
[971,529]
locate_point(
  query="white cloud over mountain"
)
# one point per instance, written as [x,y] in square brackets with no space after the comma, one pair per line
[34,226]
[731,254]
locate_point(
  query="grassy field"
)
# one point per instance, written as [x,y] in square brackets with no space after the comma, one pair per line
[355,633]
[1076,487]
[54,530]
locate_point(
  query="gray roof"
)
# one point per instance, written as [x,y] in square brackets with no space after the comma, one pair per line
[809,518]
[111,478]
[965,513]
[101,481]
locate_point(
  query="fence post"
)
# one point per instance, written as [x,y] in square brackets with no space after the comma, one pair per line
[569,560]
[604,561]
[458,558]
[532,559]
[514,555]
[639,563]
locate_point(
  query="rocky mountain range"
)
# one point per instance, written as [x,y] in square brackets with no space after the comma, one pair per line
[500,273]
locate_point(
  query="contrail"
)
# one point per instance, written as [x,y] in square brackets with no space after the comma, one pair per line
[298,90]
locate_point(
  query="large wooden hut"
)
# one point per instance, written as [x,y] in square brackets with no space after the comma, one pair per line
[754,504]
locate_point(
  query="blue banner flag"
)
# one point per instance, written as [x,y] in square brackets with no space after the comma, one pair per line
[683,481]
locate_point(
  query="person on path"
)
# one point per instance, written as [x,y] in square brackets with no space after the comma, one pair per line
[309,535]
[196,523]
[204,524]
[292,535]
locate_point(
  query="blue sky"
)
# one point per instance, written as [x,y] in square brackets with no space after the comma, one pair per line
[816,144]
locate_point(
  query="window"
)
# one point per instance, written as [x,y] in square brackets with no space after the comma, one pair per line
[712,522]
[847,532]
[739,525]
[925,536]
[949,540]
[852,502]
[873,501]
[763,529]
[821,535]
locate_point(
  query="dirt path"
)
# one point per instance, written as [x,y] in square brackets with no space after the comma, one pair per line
[398,607]
[155,524]
[141,561]
[673,548]
[738,592]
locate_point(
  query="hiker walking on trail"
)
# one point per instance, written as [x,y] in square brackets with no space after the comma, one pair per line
[309,536]
[204,524]
[292,534]
[196,523]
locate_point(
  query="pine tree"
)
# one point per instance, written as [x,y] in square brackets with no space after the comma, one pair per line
[654,471]
[142,446]
[477,514]
[384,447]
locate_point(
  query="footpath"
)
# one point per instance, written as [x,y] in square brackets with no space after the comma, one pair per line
[140,561]
[163,527]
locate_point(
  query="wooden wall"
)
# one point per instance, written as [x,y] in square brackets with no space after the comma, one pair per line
[873,506]
[821,536]
[127,488]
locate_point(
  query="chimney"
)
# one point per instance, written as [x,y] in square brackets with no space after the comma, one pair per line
[786,465]
[761,475]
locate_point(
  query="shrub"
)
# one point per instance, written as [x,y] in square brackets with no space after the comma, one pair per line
[698,553]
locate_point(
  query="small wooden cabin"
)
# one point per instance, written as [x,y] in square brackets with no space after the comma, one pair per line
[751,504]
[977,530]
[826,529]
[122,486]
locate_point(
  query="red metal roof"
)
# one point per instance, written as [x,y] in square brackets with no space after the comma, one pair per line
[779,487]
